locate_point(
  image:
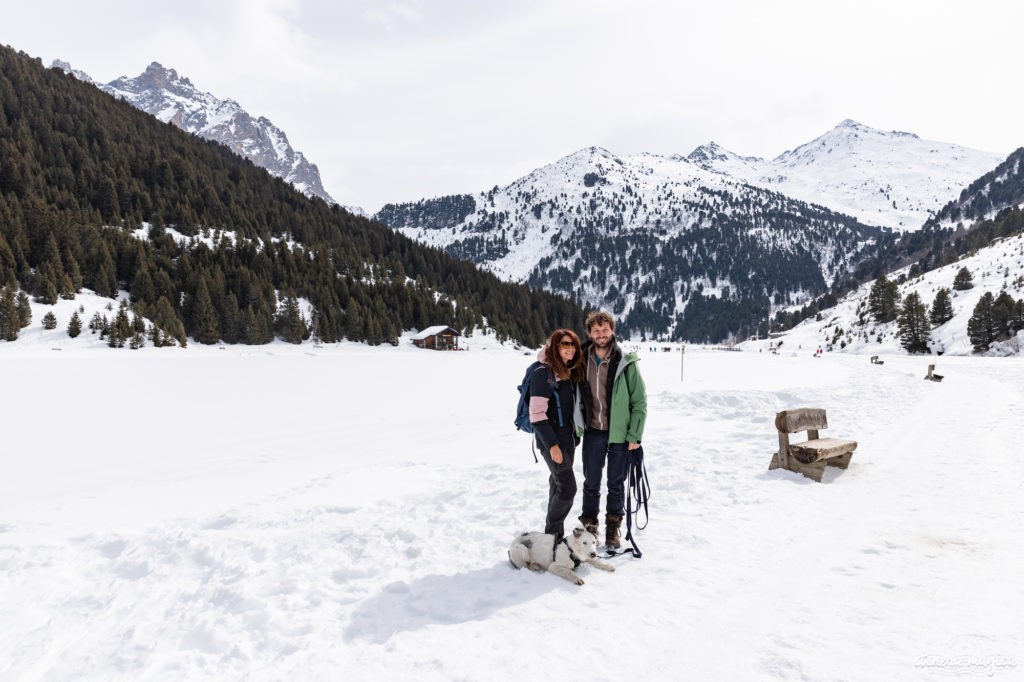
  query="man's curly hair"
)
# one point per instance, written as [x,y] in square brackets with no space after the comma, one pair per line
[600,317]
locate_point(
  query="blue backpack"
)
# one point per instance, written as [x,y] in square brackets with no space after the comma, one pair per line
[523,407]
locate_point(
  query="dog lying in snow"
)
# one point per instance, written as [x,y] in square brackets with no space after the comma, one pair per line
[538,552]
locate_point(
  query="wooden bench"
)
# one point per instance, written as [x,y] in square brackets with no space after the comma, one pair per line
[931,375]
[811,456]
[876,361]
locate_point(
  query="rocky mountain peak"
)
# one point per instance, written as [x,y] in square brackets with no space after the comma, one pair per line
[711,152]
[66,68]
[172,98]
[156,76]
[707,152]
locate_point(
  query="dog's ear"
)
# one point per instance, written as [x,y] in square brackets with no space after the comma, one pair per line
[576,532]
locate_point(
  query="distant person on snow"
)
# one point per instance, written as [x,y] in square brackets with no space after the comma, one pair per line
[614,410]
[555,413]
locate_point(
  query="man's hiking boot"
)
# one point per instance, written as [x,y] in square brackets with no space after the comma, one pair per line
[611,530]
[589,524]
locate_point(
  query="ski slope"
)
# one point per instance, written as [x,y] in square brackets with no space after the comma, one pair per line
[342,512]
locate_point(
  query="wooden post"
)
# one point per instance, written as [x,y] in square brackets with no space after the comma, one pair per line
[783,450]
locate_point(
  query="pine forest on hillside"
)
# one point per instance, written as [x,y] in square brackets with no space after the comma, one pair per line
[81,173]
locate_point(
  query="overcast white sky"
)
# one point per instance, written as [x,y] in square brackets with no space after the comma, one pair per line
[396,101]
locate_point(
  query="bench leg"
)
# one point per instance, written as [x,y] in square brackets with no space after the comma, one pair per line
[813,470]
[842,461]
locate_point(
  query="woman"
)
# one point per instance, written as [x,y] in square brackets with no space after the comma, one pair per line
[554,413]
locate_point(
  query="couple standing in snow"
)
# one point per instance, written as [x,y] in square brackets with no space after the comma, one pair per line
[594,390]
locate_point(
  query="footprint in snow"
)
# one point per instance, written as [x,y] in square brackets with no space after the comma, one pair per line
[222,522]
[113,548]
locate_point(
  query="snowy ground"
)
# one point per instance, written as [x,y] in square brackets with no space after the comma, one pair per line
[343,513]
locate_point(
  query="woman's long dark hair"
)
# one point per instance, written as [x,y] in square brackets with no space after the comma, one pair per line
[577,368]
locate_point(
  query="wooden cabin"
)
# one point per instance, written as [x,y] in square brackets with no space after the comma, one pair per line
[440,337]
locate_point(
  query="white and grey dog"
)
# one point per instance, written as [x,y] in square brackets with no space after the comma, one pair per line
[539,552]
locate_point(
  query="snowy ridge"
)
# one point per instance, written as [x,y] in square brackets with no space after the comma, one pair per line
[172,98]
[890,179]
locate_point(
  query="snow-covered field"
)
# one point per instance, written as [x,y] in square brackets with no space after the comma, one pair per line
[343,513]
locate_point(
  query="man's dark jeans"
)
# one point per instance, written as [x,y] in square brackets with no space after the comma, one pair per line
[595,450]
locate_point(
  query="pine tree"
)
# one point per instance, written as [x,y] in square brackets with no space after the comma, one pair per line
[73,272]
[104,281]
[97,323]
[288,323]
[142,283]
[169,324]
[50,273]
[138,323]
[354,322]
[942,308]
[204,316]
[912,325]
[8,264]
[158,338]
[230,318]
[1002,315]
[24,309]
[120,329]
[49,320]
[47,289]
[884,300]
[261,330]
[66,290]
[963,280]
[10,320]
[980,329]
[75,325]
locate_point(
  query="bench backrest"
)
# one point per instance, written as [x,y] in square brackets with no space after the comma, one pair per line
[801,419]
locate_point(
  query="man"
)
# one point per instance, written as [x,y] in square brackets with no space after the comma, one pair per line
[614,410]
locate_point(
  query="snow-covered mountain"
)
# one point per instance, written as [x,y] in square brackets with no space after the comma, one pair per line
[172,98]
[642,234]
[645,236]
[890,179]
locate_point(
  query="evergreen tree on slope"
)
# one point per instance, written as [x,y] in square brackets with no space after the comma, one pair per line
[912,325]
[980,328]
[942,308]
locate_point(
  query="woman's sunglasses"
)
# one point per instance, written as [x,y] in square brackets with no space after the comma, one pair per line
[567,344]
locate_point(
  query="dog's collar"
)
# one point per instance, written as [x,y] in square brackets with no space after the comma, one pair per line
[576,561]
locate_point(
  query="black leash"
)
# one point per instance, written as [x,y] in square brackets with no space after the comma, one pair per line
[638,486]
